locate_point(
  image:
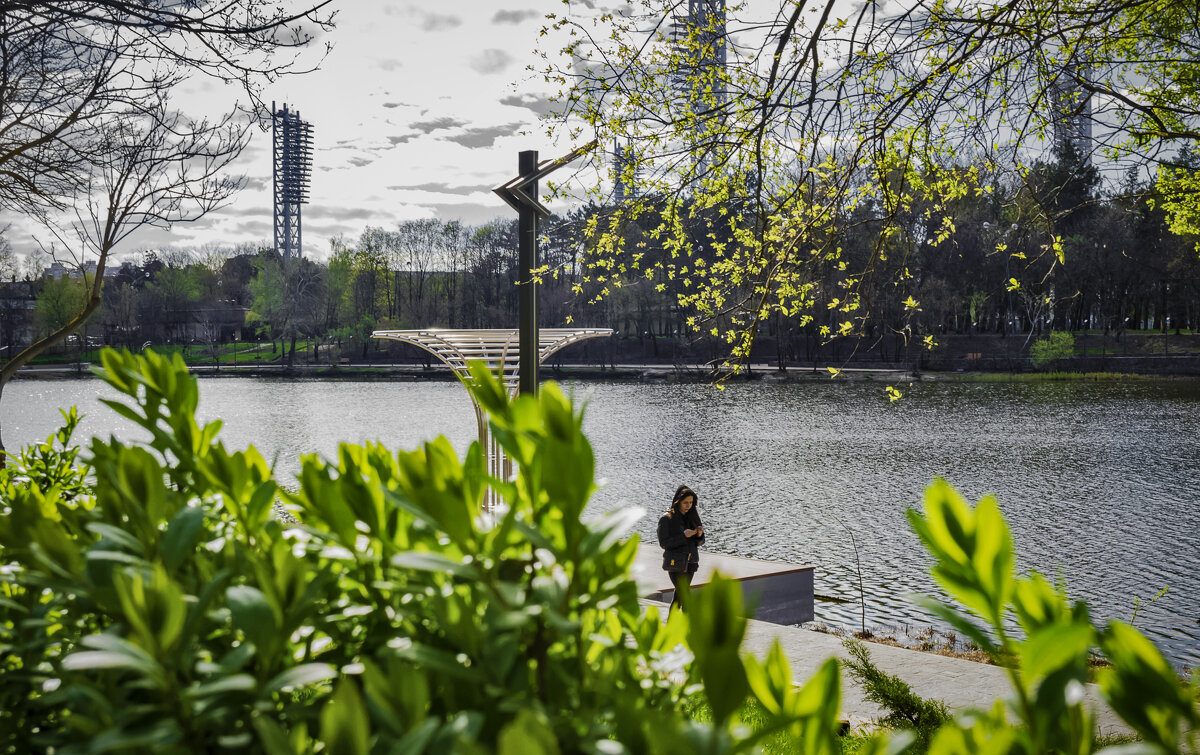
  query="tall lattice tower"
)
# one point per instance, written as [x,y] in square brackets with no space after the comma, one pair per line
[1071,114]
[699,38]
[292,140]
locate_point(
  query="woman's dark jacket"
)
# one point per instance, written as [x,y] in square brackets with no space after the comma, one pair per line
[680,552]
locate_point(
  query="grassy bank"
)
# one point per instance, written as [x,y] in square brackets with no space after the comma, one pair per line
[226,354]
[1049,377]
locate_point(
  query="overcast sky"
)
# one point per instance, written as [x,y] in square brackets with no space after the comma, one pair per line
[417,112]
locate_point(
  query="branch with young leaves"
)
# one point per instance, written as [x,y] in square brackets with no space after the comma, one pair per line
[161,169]
[755,170]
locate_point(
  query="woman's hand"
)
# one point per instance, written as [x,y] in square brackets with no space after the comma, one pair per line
[689,533]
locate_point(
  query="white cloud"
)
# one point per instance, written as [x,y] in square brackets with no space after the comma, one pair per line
[515,16]
[415,113]
[491,60]
[429,21]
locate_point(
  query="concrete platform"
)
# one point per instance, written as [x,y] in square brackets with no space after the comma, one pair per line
[783,594]
[780,593]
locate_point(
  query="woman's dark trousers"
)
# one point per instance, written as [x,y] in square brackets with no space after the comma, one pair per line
[682,580]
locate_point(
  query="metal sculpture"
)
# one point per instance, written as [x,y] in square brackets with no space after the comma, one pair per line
[499,350]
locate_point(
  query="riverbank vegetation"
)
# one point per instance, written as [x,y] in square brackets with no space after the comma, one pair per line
[151,599]
[432,273]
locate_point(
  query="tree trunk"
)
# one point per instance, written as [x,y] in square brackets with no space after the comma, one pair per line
[3,451]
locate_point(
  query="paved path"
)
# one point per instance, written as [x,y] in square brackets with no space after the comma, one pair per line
[960,683]
[547,371]
[648,571]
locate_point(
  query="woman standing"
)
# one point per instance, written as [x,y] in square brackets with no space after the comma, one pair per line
[681,533]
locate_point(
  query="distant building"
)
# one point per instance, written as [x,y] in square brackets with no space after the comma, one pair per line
[699,38]
[58,271]
[1071,114]
[699,80]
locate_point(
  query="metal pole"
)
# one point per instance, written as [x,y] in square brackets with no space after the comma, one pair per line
[528,262]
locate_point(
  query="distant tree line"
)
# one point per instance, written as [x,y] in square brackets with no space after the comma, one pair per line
[995,271]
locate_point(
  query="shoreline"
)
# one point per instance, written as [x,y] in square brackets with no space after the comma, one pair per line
[645,373]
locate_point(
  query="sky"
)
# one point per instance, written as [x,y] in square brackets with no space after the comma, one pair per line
[419,110]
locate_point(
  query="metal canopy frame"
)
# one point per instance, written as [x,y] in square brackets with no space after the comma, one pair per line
[499,349]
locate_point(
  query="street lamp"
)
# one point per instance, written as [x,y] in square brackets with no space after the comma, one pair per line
[521,194]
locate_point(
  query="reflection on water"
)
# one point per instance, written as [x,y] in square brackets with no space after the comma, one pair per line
[1097,480]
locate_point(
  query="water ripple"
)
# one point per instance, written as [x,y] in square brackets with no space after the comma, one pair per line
[1097,480]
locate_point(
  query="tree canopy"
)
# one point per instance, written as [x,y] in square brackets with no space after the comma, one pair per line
[755,139]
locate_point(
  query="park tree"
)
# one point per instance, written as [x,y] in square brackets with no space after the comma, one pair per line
[90,142]
[71,66]
[379,251]
[752,138]
[121,314]
[454,241]
[491,277]
[58,302]
[171,297]
[236,273]
[159,169]
[339,282]
[421,249]
[289,296]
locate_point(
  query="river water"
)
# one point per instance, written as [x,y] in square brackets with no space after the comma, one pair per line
[1098,481]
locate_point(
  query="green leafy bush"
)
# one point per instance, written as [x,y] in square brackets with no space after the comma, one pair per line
[167,610]
[1058,345]
[1048,665]
[150,600]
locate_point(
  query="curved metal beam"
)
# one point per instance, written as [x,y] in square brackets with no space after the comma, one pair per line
[456,348]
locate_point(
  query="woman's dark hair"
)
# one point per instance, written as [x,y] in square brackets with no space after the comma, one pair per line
[684,492]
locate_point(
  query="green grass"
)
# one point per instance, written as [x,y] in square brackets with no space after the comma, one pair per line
[1047,377]
[753,716]
[227,354]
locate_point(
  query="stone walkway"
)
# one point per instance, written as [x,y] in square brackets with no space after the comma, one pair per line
[960,683]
